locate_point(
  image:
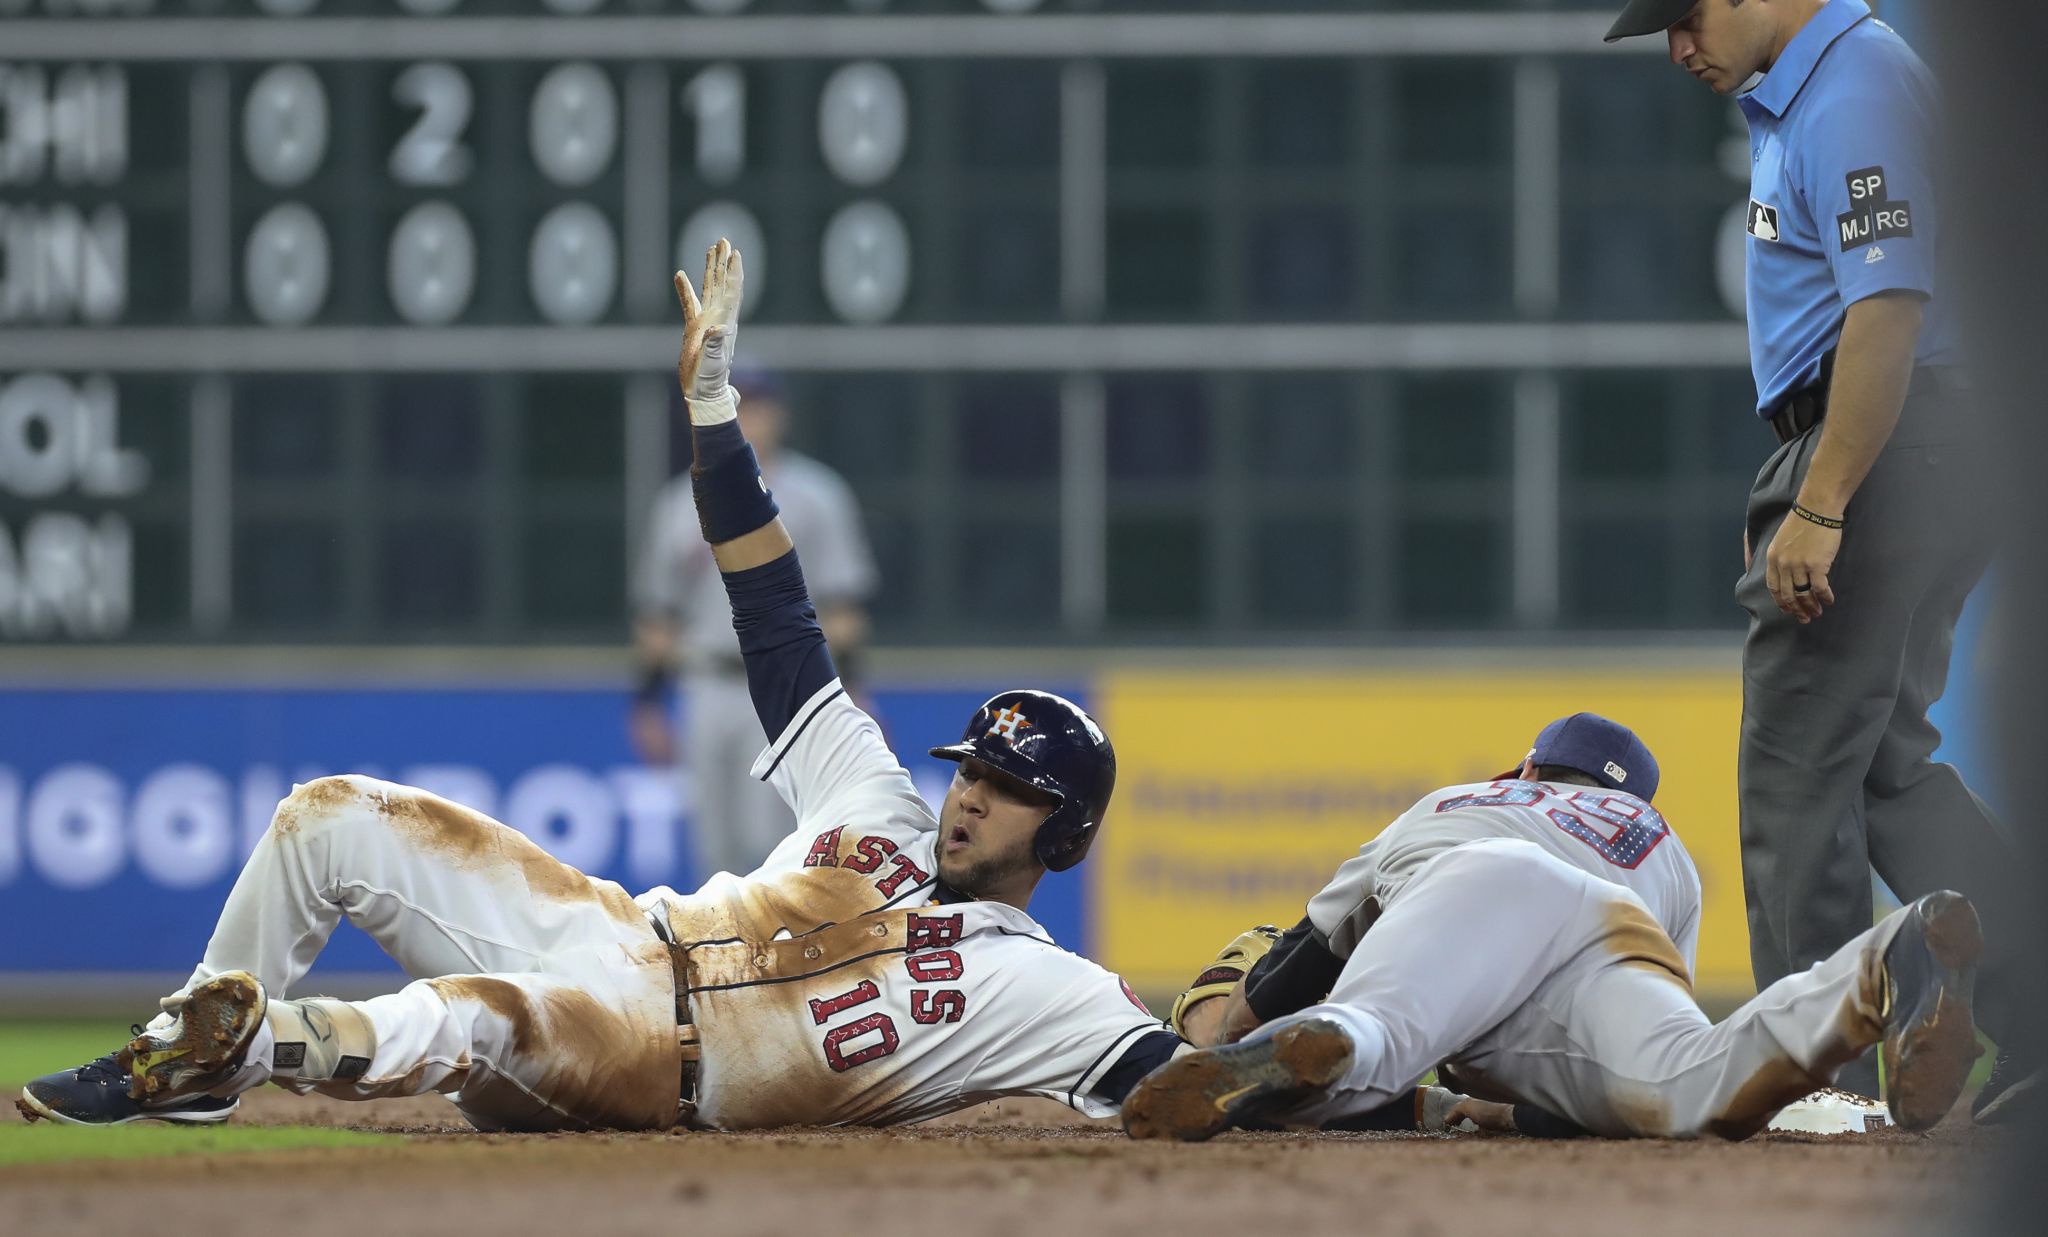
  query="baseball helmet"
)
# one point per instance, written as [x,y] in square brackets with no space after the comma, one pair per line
[1048,743]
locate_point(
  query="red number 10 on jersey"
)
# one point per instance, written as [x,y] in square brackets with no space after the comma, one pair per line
[929,961]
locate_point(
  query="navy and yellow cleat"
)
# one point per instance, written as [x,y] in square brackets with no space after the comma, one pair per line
[1930,1042]
[204,1046]
[96,1093]
[1201,1094]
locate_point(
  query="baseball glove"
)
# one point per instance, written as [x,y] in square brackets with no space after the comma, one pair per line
[1230,966]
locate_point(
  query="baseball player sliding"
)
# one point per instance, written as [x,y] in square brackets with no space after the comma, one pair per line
[879,967]
[1536,934]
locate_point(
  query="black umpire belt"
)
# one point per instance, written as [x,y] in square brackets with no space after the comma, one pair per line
[1808,406]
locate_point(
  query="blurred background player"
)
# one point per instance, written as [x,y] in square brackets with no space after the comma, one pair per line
[682,632]
[1874,520]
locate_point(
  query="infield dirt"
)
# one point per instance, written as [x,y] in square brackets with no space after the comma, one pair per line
[1009,1170]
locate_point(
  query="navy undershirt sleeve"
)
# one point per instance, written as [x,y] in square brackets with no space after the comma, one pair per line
[780,640]
[1148,1054]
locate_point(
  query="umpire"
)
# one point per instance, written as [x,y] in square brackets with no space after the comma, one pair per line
[1871,522]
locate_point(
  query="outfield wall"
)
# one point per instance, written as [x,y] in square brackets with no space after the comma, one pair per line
[1245,791]
[125,812]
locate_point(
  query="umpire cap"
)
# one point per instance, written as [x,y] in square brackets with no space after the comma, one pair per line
[1648,17]
[1048,743]
[1606,751]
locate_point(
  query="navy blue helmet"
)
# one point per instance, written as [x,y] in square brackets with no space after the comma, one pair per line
[1046,742]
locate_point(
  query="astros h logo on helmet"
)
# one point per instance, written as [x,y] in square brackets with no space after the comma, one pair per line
[1007,723]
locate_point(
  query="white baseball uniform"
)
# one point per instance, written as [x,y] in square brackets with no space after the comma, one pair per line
[1539,939]
[840,983]
[837,984]
[544,998]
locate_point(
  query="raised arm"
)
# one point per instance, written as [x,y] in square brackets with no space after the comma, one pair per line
[786,657]
[824,753]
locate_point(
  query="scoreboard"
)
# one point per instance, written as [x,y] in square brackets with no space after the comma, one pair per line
[350,319]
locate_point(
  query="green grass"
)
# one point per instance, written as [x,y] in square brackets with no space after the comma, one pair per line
[32,1049]
[45,1143]
[1980,1071]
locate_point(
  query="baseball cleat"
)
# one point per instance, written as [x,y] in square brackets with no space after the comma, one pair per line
[1832,1110]
[96,1093]
[2012,1091]
[1930,1041]
[204,1046]
[1198,1096]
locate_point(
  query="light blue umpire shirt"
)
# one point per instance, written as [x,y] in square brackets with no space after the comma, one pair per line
[1842,136]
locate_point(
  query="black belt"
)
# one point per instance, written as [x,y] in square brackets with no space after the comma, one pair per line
[1801,411]
[1808,406]
[686,1025]
[686,1092]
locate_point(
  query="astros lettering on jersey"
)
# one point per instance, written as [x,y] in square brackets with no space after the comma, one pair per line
[841,984]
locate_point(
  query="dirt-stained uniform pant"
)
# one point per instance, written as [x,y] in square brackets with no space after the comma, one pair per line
[544,998]
[1836,775]
[1542,983]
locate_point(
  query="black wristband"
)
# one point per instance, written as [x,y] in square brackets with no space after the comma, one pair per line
[652,685]
[1812,517]
[725,478]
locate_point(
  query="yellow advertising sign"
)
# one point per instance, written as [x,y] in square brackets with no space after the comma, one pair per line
[1239,794]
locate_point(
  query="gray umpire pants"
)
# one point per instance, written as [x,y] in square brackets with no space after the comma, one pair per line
[1835,770]
[734,820]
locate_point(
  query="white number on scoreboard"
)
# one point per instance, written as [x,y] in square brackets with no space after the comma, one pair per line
[284,125]
[431,152]
[431,269]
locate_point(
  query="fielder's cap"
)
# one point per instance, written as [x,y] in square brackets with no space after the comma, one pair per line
[762,384]
[1648,17]
[1603,750]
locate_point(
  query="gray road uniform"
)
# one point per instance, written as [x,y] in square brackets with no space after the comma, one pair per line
[737,820]
[1540,939]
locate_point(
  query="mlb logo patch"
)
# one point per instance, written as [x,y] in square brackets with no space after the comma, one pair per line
[1616,772]
[1763,221]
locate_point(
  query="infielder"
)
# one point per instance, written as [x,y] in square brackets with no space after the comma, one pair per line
[683,622]
[1537,935]
[879,968]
